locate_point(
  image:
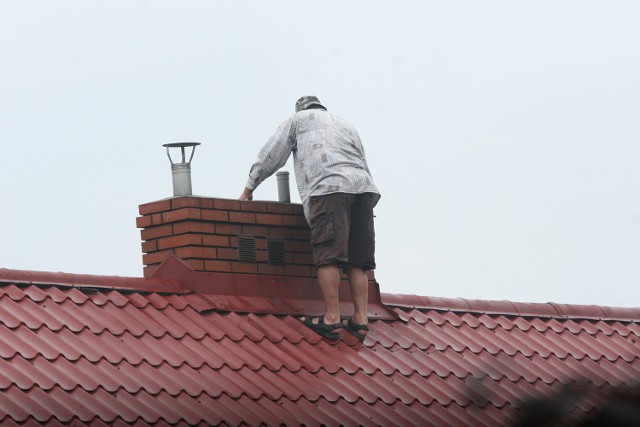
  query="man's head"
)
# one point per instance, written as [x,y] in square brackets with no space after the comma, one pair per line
[307,102]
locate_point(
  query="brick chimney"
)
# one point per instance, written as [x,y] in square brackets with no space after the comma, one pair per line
[254,256]
[227,236]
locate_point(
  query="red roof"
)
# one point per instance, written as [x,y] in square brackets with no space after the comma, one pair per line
[206,349]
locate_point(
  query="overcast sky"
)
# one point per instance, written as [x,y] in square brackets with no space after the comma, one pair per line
[504,136]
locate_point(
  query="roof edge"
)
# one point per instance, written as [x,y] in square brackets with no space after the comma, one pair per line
[512,308]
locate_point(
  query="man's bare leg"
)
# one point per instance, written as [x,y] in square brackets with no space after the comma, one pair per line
[329,280]
[359,284]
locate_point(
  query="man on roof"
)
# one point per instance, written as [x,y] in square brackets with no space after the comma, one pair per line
[338,195]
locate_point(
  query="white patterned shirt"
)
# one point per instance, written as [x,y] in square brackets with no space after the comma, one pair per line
[328,156]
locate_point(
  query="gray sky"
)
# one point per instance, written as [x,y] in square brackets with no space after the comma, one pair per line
[504,136]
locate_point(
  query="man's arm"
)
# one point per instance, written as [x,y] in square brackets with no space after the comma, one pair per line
[247,194]
[271,157]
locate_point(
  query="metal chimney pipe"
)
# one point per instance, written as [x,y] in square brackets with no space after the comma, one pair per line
[181,172]
[283,187]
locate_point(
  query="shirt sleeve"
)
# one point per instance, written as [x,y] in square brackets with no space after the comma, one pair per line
[273,155]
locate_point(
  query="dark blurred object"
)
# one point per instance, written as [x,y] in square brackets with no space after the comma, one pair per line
[621,409]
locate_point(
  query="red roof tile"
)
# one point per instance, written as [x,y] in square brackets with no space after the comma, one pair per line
[122,351]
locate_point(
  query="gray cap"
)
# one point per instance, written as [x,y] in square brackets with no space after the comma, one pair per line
[308,101]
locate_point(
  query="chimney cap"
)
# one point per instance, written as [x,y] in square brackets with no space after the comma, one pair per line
[181,144]
[181,172]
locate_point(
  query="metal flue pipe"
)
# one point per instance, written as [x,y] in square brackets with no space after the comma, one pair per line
[181,171]
[284,196]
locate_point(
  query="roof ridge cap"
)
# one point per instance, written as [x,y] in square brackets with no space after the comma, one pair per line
[49,278]
[513,308]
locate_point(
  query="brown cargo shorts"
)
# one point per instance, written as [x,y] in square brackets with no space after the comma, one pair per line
[342,230]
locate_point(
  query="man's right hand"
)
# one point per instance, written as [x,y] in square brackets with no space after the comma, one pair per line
[247,194]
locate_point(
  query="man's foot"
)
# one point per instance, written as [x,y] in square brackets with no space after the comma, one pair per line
[358,331]
[326,330]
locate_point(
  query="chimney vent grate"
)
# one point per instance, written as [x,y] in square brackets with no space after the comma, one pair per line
[275,251]
[246,249]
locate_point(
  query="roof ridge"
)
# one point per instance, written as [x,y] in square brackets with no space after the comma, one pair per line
[513,308]
[167,284]
[28,277]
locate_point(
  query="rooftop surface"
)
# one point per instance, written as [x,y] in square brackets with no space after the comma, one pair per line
[170,351]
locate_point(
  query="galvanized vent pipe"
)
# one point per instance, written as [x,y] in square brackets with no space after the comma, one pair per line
[283,187]
[181,172]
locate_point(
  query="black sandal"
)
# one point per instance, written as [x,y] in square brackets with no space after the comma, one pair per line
[322,328]
[355,329]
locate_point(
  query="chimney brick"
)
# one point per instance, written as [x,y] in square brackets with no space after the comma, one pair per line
[201,227]
[151,233]
[215,215]
[215,240]
[143,221]
[150,246]
[242,217]
[190,201]
[179,240]
[204,232]
[225,204]
[155,257]
[182,214]
[217,266]
[268,219]
[196,252]
[155,207]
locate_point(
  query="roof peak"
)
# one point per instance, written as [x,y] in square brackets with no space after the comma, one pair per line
[177,277]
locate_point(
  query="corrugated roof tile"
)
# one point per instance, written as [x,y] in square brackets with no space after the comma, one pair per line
[128,357]
[626,330]
[438,317]
[414,334]
[166,323]
[463,337]
[59,295]
[387,361]
[386,335]
[366,359]
[12,292]
[217,354]
[35,293]
[161,302]
[407,315]
[509,322]
[91,317]
[295,386]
